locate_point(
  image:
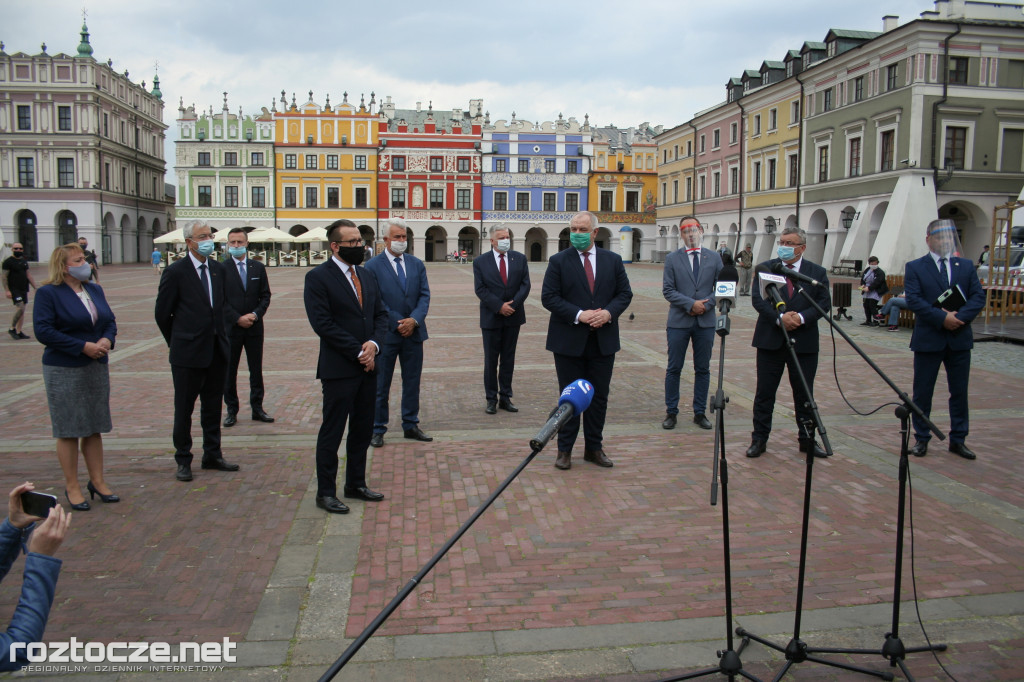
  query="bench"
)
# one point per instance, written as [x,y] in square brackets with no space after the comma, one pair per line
[849,267]
[895,283]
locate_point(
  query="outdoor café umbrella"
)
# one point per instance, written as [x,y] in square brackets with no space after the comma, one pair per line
[170,238]
[317,234]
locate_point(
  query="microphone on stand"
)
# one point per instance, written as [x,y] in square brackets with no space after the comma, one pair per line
[780,269]
[575,398]
[769,286]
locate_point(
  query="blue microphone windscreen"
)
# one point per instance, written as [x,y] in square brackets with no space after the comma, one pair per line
[579,393]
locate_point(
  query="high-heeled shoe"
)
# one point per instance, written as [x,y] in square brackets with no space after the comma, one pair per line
[103,498]
[82,506]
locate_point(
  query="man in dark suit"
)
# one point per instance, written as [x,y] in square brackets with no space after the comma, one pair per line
[344,308]
[406,296]
[688,284]
[502,282]
[801,321]
[586,290]
[246,299]
[942,337]
[190,314]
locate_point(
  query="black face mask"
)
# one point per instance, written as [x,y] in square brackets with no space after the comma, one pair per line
[353,255]
[84,246]
[18,253]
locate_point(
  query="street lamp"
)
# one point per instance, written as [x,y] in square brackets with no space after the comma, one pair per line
[769,225]
[848,216]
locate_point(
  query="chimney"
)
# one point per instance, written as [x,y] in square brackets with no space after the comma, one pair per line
[889,22]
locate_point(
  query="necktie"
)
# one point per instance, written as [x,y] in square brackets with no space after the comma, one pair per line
[789,284]
[357,285]
[206,282]
[501,268]
[943,274]
[241,273]
[589,269]
[401,272]
[696,265]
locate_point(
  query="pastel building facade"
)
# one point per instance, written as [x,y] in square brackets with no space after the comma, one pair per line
[81,155]
[535,178]
[429,176]
[325,163]
[623,185]
[224,167]
[875,134]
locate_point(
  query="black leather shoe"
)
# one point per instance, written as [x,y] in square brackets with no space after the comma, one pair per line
[106,499]
[670,422]
[492,407]
[416,434]
[757,448]
[812,445]
[597,457]
[363,493]
[220,465]
[564,460]
[184,472]
[378,440]
[920,448]
[258,415]
[507,406]
[702,421]
[962,450]
[81,506]
[230,420]
[331,505]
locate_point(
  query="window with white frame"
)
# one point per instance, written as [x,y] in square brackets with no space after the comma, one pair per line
[853,157]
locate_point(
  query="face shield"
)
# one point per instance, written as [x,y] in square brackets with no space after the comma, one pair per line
[943,239]
[690,236]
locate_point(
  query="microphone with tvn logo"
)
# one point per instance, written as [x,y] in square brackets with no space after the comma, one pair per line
[725,295]
[575,398]
[768,285]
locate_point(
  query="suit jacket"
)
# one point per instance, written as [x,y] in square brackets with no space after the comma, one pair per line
[255,298]
[63,324]
[565,293]
[493,293]
[413,302]
[682,291]
[768,335]
[341,323]
[193,328]
[922,287]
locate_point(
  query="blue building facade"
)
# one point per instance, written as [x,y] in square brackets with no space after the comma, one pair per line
[534,179]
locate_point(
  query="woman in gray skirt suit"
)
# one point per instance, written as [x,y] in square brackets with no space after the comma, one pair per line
[72,319]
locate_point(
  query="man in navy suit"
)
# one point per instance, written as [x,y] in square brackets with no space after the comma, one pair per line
[502,282]
[801,322]
[344,308]
[406,296]
[190,314]
[586,290]
[942,337]
[246,299]
[688,285]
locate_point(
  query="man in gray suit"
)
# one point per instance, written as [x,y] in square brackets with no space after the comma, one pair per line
[689,286]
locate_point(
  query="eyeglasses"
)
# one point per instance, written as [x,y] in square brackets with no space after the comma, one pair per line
[349,242]
[793,244]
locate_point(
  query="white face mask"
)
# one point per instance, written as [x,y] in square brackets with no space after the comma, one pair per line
[873,267]
[504,245]
[398,247]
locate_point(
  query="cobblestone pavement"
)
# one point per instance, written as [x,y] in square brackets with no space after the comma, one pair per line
[584,574]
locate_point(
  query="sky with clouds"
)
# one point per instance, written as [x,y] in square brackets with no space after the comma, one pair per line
[659,61]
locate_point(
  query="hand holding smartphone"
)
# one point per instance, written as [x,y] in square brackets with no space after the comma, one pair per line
[37,504]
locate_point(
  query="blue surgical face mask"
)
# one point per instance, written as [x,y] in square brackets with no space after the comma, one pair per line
[80,272]
[786,252]
[205,248]
[504,245]
[237,251]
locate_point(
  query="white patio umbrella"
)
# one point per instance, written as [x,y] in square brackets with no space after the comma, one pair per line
[172,237]
[317,234]
[270,234]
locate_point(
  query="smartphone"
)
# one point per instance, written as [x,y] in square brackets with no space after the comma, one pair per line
[37,504]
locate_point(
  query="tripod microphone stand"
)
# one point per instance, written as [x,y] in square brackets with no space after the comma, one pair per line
[893,649]
[797,651]
[729,662]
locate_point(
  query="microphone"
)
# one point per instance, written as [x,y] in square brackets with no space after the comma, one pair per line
[575,398]
[780,269]
[725,294]
[769,285]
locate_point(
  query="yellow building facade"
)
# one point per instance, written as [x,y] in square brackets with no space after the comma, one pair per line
[326,164]
[623,180]
[772,165]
